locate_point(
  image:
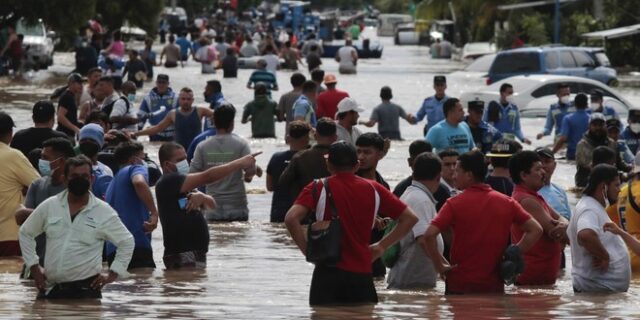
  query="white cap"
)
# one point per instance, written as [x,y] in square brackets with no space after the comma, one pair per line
[348,104]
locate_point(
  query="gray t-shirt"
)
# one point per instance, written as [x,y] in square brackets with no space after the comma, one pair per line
[216,151]
[388,115]
[285,105]
[413,268]
[343,134]
[40,190]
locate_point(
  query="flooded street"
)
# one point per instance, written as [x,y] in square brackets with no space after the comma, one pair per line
[253,269]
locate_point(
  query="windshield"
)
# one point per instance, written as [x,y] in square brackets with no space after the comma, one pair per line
[481,64]
[30,30]
[603,60]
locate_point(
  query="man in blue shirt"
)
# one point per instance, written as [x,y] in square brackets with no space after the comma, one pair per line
[631,133]
[184,45]
[558,111]
[432,106]
[505,116]
[213,95]
[303,107]
[484,134]
[158,97]
[452,132]
[613,131]
[574,126]
[552,193]
[597,105]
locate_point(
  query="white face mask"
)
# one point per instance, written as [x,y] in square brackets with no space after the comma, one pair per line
[635,127]
[509,98]
[182,167]
[565,99]
[595,106]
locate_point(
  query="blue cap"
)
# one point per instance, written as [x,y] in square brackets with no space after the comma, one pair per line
[94,132]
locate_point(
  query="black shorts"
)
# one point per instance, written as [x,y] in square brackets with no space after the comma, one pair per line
[334,286]
[141,258]
[80,289]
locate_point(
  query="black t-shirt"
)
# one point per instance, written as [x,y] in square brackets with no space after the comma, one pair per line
[28,139]
[68,101]
[133,67]
[182,231]
[313,60]
[441,195]
[282,199]
[500,184]
[230,67]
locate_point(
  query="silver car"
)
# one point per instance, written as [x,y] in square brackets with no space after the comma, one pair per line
[37,44]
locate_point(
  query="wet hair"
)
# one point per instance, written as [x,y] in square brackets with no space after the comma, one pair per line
[98,117]
[297,79]
[449,105]
[126,150]
[426,166]
[520,162]
[75,162]
[166,151]
[473,161]
[61,146]
[326,127]
[385,93]
[224,115]
[309,87]
[601,173]
[603,154]
[299,129]
[317,75]
[370,139]
[505,86]
[419,146]
[448,153]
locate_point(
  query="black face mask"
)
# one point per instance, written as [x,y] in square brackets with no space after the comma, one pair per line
[89,149]
[78,186]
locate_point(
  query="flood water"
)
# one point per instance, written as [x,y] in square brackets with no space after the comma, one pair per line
[254,270]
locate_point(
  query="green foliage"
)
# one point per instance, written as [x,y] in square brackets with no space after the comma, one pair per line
[392,6]
[533,28]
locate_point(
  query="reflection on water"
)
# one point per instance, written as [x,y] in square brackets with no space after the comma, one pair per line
[253,269]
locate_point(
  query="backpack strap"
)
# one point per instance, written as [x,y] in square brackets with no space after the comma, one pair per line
[334,210]
[377,204]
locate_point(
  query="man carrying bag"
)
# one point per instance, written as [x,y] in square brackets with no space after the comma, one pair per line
[347,207]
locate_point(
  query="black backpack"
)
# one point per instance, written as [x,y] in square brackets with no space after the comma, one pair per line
[109,108]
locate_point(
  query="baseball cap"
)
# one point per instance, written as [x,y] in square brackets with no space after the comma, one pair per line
[597,116]
[43,111]
[545,153]
[162,77]
[74,77]
[476,105]
[503,148]
[342,154]
[348,104]
[94,132]
[613,124]
[330,78]
[439,80]
[6,123]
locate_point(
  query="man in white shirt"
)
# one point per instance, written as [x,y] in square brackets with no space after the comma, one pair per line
[414,269]
[347,56]
[76,224]
[600,259]
[347,116]
[273,62]
[123,115]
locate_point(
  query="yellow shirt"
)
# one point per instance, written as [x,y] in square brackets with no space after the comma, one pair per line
[628,218]
[16,173]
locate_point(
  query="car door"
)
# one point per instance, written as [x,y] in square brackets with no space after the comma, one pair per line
[568,66]
[587,65]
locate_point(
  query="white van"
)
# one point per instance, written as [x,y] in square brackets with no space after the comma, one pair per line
[388,22]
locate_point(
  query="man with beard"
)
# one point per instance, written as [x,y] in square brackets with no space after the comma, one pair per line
[595,137]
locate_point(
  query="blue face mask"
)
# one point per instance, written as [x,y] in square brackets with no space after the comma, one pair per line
[131,97]
[45,167]
[182,167]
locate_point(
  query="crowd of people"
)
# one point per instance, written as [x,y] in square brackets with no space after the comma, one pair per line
[478,210]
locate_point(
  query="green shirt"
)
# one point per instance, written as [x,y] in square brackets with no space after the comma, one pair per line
[262,111]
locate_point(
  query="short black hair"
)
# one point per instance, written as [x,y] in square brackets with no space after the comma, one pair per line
[107,79]
[299,129]
[166,151]
[603,154]
[309,87]
[6,123]
[61,146]
[126,150]
[317,75]
[297,79]
[600,173]
[371,139]
[342,155]
[505,86]
[419,146]
[426,166]
[75,162]
[385,93]
[449,105]
[326,127]
[520,162]
[224,115]
[97,116]
[231,51]
[499,162]
[215,85]
[94,70]
[581,101]
[43,111]
[448,153]
[474,162]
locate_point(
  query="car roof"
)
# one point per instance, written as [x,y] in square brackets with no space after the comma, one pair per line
[550,48]
[528,81]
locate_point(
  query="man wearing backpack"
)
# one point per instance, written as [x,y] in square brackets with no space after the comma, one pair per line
[120,112]
[356,202]
[413,268]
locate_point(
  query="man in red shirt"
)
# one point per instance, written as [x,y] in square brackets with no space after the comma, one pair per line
[542,262]
[327,101]
[480,219]
[356,199]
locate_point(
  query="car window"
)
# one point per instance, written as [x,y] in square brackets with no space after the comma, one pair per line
[551,60]
[566,59]
[516,62]
[481,64]
[546,90]
[583,59]
[603,60]
[588,88]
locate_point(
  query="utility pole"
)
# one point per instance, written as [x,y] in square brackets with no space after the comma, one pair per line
[556,24]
